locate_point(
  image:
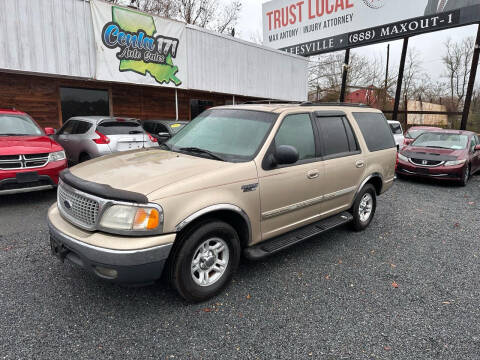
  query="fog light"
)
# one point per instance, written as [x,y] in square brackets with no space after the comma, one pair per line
[105,272]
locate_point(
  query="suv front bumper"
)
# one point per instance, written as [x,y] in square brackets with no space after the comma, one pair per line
[126,266]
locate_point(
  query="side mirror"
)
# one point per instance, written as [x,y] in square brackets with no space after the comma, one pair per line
[286,154]
[477,148]
[49,131]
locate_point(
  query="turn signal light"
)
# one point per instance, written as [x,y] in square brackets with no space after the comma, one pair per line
[103,139]
[148,219]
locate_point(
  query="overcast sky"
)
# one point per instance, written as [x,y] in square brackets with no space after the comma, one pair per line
[430,45]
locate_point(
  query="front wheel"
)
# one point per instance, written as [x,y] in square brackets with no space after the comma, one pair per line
[466,176]
[364,208]
[205,261]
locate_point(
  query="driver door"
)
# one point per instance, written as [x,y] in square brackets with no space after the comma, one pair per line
[290,195]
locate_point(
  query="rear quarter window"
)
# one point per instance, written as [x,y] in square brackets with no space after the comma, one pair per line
[375,131]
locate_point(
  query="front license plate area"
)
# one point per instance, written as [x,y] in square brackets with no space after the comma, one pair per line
[26,177]
[423,171]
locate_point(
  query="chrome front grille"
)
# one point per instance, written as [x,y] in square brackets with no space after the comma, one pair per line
[29,161]
[77,207]
[422,162]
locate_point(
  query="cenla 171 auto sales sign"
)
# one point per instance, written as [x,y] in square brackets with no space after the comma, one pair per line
[309,27]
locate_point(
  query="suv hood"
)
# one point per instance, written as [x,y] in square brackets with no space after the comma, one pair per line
[16,145]
[150,170]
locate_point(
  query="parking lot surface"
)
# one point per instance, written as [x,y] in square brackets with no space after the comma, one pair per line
[406,288]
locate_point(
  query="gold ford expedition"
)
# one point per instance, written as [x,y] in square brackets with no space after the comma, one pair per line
[252,179]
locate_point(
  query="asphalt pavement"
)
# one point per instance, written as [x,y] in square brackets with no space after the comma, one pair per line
[406,288]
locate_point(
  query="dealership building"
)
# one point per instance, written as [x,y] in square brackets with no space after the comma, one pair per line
[63,58]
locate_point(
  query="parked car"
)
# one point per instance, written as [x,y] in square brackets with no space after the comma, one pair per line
[29,159]
[248,178]
[163,130]
[416,131]
[397,132]
[443,154]
[88,137]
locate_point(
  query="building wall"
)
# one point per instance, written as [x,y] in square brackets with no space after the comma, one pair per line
[39,96]
[55,37]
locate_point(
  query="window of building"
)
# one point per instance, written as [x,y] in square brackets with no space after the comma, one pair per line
[83,102]
[297,131]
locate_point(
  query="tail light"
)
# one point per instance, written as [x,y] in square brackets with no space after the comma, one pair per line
[152,139]
[102,140]
[396,162]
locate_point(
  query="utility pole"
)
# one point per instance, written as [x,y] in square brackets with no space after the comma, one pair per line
[398,94]
[345,74]
[471,82]
[386,76]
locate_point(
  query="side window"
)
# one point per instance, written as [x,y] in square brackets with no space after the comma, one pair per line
[82,127]
[375,130]
[337,135]
[473,144]
[297,131]
[68,128]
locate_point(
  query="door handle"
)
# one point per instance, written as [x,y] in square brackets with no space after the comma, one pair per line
[313,174]
[360,164]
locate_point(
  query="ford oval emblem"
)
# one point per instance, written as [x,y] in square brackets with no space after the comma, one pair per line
[67,204]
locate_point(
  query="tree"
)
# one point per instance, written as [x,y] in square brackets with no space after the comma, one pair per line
[457,61]
[203,13]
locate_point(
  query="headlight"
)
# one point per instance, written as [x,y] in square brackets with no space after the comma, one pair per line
[455,162]
[56,156]
[402,157]
[133,218]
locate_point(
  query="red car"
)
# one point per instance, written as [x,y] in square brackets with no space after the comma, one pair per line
[416,131]
[29,159]
[441,154]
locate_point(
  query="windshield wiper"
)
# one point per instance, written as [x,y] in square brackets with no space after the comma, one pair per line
[438,147]
[201,151]
[12,134]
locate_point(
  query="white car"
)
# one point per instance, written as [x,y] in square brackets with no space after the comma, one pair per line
[397,132]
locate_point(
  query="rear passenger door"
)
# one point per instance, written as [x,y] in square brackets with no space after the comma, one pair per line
[344,162]
[475,154]
[291,195]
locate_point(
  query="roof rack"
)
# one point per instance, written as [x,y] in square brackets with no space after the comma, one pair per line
[309,103]
[259,102]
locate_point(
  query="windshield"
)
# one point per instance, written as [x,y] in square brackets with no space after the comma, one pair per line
[442,141]
[413,134]
[396,128]
[20,125]
[176,127]
[233,135]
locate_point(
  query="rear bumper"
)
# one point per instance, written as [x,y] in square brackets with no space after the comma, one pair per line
[135,267]
[439,172]
[42,178]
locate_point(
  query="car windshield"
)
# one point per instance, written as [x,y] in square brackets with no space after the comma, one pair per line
[232,135]
[176,127]
[396,128]
[442,141]
[413,134]
[21,125]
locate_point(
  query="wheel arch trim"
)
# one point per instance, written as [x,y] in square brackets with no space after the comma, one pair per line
[366,180]
[214,208]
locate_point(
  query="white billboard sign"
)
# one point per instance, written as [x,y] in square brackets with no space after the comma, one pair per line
[309,27]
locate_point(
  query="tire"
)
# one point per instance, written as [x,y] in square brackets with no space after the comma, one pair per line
[466,176]
[367,197]
[84,157]
[201,245]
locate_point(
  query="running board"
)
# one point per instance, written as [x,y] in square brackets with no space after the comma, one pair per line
[274,245]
